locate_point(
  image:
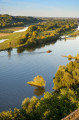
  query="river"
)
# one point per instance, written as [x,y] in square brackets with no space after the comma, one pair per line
[16,69]
[22,30]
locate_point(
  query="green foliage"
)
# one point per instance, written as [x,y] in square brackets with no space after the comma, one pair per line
[8,21]
[6,115]
[67,76]
[71,57]
[40,34]
[25,103]
[37,81]
[54,105]
[29,104]
[43,33]
[18,114]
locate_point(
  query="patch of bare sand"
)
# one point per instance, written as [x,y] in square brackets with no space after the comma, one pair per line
[4,34]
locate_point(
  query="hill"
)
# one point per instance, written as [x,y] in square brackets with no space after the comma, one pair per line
[9,21]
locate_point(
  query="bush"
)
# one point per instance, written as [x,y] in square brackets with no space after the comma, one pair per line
[37,81]
[67,76]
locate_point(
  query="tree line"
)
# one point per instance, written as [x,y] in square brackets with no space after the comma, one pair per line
[12,21]
[46,32]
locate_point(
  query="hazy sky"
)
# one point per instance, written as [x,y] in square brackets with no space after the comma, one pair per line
[46,8]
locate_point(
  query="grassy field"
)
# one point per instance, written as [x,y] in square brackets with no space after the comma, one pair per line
[10,29]
[6,33]
[13,37]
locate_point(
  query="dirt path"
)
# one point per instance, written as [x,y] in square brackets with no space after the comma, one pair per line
[73,116]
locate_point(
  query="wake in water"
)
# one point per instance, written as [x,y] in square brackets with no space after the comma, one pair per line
[21,54]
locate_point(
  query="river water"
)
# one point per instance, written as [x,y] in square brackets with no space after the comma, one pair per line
[22,30]
[17,68]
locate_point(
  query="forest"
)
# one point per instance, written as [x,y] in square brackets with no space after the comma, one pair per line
[47,32]
[12,21]
[41,34]
[54,105]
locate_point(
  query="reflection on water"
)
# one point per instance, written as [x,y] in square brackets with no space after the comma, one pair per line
[39,91]
[31,49]
[75,60]
[9,52]
[69,59]
[20,50]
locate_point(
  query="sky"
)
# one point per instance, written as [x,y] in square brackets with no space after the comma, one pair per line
[40,8]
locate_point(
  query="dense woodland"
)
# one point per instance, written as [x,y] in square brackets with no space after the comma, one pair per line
[46,32]
[11,21]
[54,105]
[40,34]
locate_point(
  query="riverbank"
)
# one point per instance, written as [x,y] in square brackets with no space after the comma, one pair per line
[38,35]
[17,30]
[12,38]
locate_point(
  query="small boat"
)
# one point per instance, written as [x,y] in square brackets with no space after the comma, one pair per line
[49,51]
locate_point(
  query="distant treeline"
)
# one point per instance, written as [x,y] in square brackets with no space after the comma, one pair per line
[47,31]
[9,21]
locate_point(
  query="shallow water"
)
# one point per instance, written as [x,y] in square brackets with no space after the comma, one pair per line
[2,40]
[17,69]
[22,30]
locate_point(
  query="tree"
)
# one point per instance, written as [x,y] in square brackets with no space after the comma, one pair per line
[38,81]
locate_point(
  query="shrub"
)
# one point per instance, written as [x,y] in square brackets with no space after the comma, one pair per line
[37,81]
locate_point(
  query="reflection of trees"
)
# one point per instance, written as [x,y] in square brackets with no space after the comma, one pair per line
[9,52]
[39,91]
[31,49]
[20,50]
[69,58]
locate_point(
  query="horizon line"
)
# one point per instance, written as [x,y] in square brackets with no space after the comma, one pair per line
[39,16]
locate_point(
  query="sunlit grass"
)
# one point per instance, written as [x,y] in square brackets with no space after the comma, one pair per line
[10,29]
[12,37]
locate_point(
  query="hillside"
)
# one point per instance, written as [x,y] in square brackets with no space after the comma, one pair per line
[9,21]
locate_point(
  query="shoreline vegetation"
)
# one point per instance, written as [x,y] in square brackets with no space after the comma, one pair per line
[16,21]
[54,105]
[40,34]
[38,81]
[70,57]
